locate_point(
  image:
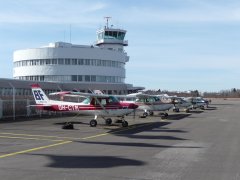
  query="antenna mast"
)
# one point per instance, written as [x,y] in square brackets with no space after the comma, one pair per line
[107,18]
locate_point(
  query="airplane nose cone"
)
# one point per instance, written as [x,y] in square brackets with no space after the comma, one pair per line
[132,106]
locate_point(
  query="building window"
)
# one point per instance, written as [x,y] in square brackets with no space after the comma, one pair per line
[74,77]
[74,62]
[80,62]
[80,78]
[60,61]
[93,78]
[54,61]
[87,78]
[67,61]
[41,78]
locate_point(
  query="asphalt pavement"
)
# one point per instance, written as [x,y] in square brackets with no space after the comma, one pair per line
[198,145]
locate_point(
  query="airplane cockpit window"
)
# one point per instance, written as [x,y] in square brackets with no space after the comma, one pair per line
[113,99]
[151,99]
[140,100]
[86,101]
[103,101]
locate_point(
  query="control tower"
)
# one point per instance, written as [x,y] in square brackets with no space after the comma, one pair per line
[111,38]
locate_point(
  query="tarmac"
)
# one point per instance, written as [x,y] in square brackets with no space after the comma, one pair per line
[202,144]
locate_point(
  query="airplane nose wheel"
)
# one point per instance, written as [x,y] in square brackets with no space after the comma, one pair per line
[93,123]
[124,124]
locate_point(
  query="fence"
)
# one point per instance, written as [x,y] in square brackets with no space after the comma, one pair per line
[16,108]
[10,109]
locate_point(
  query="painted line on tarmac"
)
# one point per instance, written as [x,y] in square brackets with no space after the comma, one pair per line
[32,135]
[121,130]
[28,138]
[34,149]
[73,138]
[63,142]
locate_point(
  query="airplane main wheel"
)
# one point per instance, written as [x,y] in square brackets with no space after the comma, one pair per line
[108,121]
[93,123]
[166,114]
[151,113]
[68,126]
[176,110]
[124,124]
[145,114]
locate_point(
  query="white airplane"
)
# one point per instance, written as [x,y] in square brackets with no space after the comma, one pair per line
[197,102]
[105,106]
[178,103]
[149,103]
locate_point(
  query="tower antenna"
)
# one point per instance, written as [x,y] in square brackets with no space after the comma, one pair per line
[107,18]
[70,33]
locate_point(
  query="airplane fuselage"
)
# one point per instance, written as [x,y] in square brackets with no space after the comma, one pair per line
[88,109]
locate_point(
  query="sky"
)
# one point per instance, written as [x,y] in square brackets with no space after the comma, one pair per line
[175,45]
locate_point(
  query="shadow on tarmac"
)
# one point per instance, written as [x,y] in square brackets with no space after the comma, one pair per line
[145,127]
[211,108]
[196,111]
[177,116]
[131,144]
[59,161]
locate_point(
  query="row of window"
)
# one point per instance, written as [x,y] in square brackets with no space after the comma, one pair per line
[20,91]
[111,35]
[74,78]
[68,61]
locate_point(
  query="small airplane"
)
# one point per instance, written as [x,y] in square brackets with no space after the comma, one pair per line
[178,103]
[197,102]
[102,105]
[149,103]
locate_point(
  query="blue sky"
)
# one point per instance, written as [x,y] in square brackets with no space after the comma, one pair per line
[173,44]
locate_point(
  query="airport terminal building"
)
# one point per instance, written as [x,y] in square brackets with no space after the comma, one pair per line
[100,66]
[66,66]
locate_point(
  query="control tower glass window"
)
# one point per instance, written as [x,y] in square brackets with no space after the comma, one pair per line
[114,35]
[121,35]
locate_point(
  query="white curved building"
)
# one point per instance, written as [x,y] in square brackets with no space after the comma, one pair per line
[66,62]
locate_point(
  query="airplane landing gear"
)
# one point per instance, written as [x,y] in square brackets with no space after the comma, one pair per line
[151,113]
[68,125]
[93,123]
[124,123]
[108,121]
[145,114]
[176,110]
[164,115]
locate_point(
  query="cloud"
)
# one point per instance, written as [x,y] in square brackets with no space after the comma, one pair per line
[191,11]
[54,12]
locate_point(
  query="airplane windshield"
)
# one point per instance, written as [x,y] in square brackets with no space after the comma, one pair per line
[113,99]
[86,101]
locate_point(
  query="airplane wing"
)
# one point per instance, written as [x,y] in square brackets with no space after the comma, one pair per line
[80,94]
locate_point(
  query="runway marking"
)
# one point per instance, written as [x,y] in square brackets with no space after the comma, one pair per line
[73,138]
[113,132]
[14,137]
[62,141]
[34,149]
[32,135]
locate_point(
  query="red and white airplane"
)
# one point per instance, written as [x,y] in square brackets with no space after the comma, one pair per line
[102,105]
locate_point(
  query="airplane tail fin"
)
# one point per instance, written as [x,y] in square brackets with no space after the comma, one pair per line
[39,95]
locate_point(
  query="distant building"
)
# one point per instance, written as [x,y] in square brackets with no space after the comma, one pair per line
[102,65]
[67,66]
